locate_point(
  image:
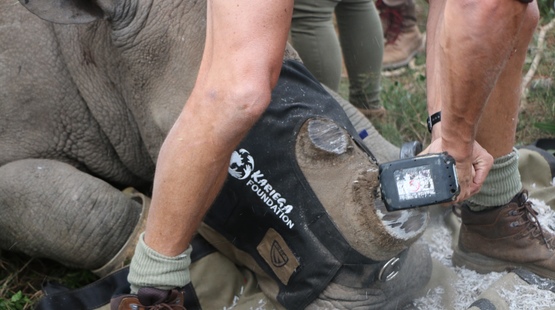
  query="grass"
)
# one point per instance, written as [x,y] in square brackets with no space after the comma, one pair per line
[404,93]
[403,96]
[22,277]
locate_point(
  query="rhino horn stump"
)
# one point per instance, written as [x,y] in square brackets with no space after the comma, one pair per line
[346,182]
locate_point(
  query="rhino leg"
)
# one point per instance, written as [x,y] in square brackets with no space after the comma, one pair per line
[51,210]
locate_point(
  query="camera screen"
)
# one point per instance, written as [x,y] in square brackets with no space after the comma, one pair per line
[414,183]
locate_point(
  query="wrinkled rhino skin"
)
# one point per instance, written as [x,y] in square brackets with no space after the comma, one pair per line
[90,104]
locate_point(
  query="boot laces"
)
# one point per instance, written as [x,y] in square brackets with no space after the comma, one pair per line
[532,223]
[394,18]
[158,299]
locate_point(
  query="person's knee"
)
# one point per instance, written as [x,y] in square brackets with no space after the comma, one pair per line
[485,14]
[531,19]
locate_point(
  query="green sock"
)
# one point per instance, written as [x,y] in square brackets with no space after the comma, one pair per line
[501,185]
[151,269]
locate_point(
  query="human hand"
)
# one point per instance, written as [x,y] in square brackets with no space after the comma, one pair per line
[471,170]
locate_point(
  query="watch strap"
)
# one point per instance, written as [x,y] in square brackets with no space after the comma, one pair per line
[433,119]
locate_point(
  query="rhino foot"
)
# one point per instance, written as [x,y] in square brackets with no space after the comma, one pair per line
[52,210]
[123,257]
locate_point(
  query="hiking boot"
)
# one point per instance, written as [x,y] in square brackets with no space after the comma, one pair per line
[403,39]
[151,299]
[504,238]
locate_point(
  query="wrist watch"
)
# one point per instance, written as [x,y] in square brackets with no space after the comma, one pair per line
[433,119]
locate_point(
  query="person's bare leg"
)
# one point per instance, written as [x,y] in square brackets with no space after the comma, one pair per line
[497,127]
[499,229]
[244,48]
[470,42]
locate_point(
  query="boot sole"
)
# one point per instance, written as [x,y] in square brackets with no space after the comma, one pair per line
[484,264]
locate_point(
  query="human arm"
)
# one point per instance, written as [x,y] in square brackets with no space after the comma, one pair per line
[245,41]
[469,44]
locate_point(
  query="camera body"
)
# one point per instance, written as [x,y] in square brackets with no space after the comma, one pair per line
[418,181]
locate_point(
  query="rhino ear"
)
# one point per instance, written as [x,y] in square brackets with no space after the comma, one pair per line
[67,11]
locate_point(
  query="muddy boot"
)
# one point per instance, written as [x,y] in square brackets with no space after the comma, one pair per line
[504,238]
[403,39]
[149,298]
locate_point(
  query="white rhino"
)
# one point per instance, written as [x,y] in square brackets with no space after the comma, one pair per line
[88,91]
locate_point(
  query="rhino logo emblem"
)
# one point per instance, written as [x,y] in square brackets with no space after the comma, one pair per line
[241,164]
[279,258]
